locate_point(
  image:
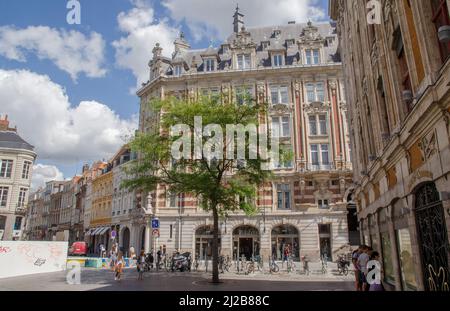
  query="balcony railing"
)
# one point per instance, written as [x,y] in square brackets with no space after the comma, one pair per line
[320,167]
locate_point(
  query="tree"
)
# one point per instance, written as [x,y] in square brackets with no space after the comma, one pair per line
[177,153]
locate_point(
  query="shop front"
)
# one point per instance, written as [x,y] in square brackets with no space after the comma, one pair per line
[246,242]
[285,238]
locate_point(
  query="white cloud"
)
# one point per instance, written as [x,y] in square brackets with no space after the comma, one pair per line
[60,133]
[213,19]
[44,173]
[71,51]
[141,33]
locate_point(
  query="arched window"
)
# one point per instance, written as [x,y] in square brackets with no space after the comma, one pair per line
[246,242]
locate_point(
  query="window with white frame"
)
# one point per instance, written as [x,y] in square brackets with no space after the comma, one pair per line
[3,196]
[178,70]
[277,60]
[265,45]
[318,125]
[279,94]
[323,204]
[283,196]
[210,65]
[26,169]
[244,94]
[281,127]
[312,56]
[6,168]
[244,61]
[22,195]
[315,92]
[173,199]
[320,154]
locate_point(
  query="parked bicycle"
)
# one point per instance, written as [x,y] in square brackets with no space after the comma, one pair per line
[291,265]
[273,267]
[254,264]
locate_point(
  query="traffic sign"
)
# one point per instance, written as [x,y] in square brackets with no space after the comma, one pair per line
[155,223]
[113,234]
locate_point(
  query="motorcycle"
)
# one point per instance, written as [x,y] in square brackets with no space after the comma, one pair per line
[182,262]
[343,265]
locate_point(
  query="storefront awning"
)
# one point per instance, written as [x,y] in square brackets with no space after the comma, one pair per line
[95,232]
[89,232]
[103,230]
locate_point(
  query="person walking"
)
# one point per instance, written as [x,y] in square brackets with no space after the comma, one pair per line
[362,261]
[113,256]
[119,267]
[355,255]
[141,265]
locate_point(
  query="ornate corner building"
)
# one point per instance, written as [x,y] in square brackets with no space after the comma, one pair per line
[398,89]
[296,70]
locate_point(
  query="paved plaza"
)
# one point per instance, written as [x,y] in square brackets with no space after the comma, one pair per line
[103,280]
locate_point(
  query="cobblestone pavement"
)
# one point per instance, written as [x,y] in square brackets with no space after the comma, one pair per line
[103,280]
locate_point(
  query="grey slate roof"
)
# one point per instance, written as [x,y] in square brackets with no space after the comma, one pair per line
[9,139]
[277,42]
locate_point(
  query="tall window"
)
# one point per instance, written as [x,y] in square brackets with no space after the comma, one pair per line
[441,18]
[210,65]
[178,70]
[22,195]
[320,154]
[283,196]
[26,169]
[278,60]
[3,196]
[6,168]
[315,92]
[318,125]
[402,62]
[244,61]
[285,157]
[312,57]
[281,127]
[279,95]
[244,95]
[18,223]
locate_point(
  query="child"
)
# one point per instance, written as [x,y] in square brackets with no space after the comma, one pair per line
[119,267]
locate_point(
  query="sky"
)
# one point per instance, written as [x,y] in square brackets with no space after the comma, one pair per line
[71,88]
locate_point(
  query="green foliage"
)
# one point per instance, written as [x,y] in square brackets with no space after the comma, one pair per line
[210,180]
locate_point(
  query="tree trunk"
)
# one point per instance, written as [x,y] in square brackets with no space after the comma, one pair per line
[215,246]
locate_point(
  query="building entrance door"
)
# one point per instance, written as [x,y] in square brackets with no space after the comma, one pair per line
[433,238]
[246,247]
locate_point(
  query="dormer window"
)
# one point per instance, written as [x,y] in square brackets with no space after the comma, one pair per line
[265,45]
[225,49]
[178,70]
[276,33]
[244,61]
[277,60]
[312,57]
[290,43]
[210,65]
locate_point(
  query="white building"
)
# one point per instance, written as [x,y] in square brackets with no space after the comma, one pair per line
[16,164]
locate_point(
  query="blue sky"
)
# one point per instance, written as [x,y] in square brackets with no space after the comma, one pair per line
[134,26]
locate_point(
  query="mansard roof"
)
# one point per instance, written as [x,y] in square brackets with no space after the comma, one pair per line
[303,35]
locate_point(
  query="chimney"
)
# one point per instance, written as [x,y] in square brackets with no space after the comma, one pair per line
[238,22]
[291,23]
[4,124]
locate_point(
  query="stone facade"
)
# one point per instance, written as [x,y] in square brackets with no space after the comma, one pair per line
[295,70]
[398,83]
